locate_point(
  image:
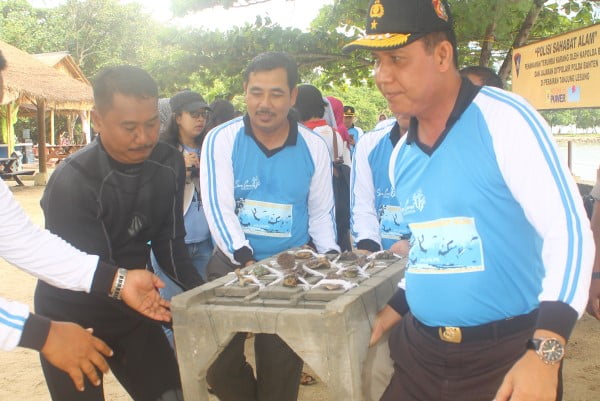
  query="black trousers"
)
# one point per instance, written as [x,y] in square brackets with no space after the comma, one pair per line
[278,367]
[427,368]
[143,360]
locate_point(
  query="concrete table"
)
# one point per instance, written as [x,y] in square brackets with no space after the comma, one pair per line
[329,330]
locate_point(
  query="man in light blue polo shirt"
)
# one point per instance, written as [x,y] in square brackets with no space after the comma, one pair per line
[496,279]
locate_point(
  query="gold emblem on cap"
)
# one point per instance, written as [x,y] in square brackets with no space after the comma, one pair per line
[440,9]
[376,10]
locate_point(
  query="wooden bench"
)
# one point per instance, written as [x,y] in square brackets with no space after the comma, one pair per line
[15,175]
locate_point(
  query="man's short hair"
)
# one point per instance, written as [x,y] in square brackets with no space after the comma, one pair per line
[487,75]
[431,40]
[271,60]
[2,62]
[125,79]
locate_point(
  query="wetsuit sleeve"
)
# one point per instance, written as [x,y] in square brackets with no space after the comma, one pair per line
[321,207]
[363,218]
[542,184]
[216,184]
[169,246]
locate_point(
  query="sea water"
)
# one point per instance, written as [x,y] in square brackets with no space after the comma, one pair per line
[585,159]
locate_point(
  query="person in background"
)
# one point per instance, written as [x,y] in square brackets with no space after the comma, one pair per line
[481,76]
[65,345]
[382,117]
[355,132]
[377,224]
[221,111]
[267,180]
[495,280]
[593,307]
[185,131]
[311,109]
[338,112]
[164,114]
[377,221]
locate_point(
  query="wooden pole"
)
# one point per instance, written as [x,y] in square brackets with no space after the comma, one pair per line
[51,132]
[9,129]
[41,120]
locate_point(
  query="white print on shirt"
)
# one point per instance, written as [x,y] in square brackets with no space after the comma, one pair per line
[445,246]
[247,185]
[265,218]
[415,203]
[386,193]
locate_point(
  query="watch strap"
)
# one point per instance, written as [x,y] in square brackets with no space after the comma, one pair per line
[115,292]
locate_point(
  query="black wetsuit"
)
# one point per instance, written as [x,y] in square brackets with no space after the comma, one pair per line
[118,212]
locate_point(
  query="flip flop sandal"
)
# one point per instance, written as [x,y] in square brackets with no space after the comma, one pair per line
[307,380]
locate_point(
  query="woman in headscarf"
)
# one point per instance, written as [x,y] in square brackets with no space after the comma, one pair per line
[338,111]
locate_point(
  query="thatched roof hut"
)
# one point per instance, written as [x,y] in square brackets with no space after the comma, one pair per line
[28,79]
[64,63]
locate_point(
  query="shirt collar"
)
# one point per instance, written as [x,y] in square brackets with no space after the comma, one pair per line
[466,94]
[290,141]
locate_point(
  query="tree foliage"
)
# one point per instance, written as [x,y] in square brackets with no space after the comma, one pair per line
[95,32]
[102,32]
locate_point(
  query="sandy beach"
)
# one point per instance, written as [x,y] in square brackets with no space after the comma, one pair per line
[21,376]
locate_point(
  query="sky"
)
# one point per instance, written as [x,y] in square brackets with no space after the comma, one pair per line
[295,13]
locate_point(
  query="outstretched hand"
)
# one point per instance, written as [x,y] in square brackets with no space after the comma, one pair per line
[76,351]
[140,293]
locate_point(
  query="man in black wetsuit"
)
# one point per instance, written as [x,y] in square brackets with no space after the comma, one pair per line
[118,198]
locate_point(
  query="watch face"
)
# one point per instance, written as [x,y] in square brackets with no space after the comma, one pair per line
[551,350]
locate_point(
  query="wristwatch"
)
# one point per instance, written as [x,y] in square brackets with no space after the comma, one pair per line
[550,350]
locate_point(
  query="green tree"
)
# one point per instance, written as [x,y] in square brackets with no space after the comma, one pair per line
[559,117]
[486,30]
[95,32]
[587,118]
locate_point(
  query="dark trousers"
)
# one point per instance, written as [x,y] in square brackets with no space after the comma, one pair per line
[427,368]
[278,368]
[143,360]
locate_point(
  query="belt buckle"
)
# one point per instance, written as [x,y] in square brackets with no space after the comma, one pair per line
[450,334]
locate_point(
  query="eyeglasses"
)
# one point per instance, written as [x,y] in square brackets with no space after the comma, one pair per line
[204,113]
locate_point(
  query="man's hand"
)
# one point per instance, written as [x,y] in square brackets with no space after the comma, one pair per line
[362,252]
[401,247]
[140,293]
[530,379]
[593,306]
[76,351]
[385,320]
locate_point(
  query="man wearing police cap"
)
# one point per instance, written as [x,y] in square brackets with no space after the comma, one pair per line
[496,277]
[354,131]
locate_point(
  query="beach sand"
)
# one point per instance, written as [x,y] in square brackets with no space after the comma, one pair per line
[21,376]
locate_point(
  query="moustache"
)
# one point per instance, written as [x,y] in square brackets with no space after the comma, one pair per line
[143,147]
[265,111]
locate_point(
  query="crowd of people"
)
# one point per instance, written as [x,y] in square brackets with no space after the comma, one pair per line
[495,279]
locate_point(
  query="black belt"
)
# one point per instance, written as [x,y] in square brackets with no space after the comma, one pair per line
[488,331]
